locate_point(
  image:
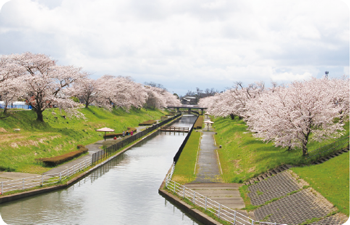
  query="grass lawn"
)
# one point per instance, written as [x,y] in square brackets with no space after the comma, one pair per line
[58,135]
[242,156]
[184,169]
[331,179]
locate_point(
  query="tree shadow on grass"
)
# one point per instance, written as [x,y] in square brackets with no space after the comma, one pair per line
[96,114]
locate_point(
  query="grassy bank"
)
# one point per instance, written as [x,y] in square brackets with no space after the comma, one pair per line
[58,135]
[185,166]
[243,156]
[331,179]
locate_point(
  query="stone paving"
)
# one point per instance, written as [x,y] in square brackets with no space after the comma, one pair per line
[6,176]
[208,168]
[296,208]
[274,187]
[226,194]
[208,181]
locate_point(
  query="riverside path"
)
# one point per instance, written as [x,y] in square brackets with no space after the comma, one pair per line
[208,181]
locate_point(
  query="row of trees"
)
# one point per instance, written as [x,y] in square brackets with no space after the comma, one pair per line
[38,80]
[287,115]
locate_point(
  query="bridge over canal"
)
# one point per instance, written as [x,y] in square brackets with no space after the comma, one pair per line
[188,107]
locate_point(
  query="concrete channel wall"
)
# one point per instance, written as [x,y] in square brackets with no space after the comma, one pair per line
[29,193]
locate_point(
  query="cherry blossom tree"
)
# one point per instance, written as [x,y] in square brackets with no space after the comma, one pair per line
[44,82]
[86,89]
[155,97]
[233,101]
[339,89]
[171,100]
[289,115]
[120,92]
[10,89]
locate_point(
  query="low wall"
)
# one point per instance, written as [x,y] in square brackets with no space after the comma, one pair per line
[195,213]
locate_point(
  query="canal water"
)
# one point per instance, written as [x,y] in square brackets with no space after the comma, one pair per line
[123,191]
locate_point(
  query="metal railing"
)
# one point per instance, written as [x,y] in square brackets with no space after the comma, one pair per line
[42,180]
[169,129]
[46,179]
[127,140]
[219,210]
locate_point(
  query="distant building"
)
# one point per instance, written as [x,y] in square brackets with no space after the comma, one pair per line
[15,105]
[188,100]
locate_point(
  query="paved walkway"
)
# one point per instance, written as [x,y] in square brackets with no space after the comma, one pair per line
[95,147]
[208,181]
[226,194]
[6,176]
[207,162]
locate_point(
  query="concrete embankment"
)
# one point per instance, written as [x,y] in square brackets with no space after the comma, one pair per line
[195,213]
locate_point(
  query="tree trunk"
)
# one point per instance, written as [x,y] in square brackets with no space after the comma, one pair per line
[40,116]
[305,141]
[5,109]
[87,102]
[232,116]
[304,150]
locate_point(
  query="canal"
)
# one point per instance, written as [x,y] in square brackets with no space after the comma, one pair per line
[123,191]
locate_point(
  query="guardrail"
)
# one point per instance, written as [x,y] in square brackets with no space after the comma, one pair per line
[42,180]
[131,138]
[221,211]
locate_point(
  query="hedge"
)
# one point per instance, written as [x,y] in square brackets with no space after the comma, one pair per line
[147,123]
[134,130]
[128,131]
[199,123]
[53,161]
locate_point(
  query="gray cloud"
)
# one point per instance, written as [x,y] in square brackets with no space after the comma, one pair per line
[210,43]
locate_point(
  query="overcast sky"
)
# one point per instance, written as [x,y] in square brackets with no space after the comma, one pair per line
[184,44]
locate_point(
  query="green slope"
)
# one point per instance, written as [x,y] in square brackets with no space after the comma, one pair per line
[57,135]
[242,156]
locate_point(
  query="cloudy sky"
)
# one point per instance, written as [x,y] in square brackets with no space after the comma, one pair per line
[184,44]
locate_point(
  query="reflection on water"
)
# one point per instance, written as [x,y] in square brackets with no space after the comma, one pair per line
[123,191]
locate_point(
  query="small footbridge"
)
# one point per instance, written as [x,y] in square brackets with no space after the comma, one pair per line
[175,129]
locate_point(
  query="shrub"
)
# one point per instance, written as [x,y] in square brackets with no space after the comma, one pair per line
[53,161]
[134,130]
[128,131]
[113,135]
